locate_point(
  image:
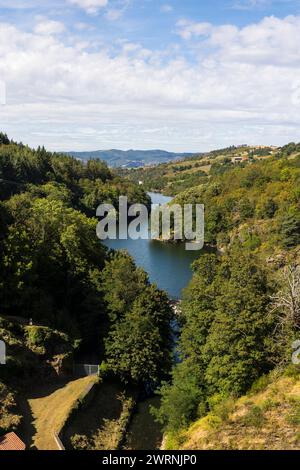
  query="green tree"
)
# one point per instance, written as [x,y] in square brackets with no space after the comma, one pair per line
[290,228]
[138,348]
[224,342]
[183,399]
[122,282]
[236,351]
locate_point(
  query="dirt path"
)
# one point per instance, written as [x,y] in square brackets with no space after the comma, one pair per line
[49,405]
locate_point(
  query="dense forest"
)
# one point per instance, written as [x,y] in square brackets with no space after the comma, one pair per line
[239,315]
[79,296]
[241,311]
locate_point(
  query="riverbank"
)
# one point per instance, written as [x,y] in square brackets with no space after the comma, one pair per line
[167,264]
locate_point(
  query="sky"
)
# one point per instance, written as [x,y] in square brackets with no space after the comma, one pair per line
[179,75]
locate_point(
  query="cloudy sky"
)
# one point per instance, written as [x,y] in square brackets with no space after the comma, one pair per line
[182,75]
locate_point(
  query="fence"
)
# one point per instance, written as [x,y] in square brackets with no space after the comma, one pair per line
[2,353]
[83,370]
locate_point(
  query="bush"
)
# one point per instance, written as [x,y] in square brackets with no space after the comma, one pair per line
[80,442]
[292,371]
[254,418]
[221,407]
[290,229]
[44,340]
[9,420]
[260,384]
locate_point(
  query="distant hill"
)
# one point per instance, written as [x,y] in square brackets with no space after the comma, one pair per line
[131,158]
[173,177]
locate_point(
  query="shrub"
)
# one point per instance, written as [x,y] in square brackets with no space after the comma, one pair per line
[221,407]
[260,384]
[292,371]
[80,442]
[46,341]
[254,418]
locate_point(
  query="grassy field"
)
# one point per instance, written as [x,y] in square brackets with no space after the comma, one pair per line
[48,408]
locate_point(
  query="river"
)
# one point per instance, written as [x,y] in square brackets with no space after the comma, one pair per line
[169,267]
[167,264]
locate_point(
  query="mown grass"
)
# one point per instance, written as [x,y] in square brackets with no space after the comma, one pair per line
[51,408]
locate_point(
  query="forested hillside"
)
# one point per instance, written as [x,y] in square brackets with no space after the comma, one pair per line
[174,177]
[53,270]
[241,311]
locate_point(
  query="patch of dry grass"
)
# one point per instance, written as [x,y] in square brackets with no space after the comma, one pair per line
[51,409]
[267,420]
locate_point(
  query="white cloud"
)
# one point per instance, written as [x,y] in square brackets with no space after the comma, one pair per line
[188,29]
[250,4]
[272,41]
[49,27]
[166,8]
[84,27]
[90,6]
[243,86]
[114,14]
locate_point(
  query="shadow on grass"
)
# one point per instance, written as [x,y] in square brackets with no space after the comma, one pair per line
[105,405]
[27,429]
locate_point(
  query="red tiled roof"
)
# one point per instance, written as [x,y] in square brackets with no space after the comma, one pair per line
[11,442]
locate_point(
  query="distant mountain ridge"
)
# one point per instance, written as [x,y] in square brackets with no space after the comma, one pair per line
[131,158]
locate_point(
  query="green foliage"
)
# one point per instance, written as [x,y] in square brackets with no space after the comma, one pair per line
[180,399]
[139,343]
[62,177]
[269,209]
[9,419]
[292,370]
[251,241]
[4,140]
[221,407]
[290,148]
[290,228]
[51,265]
[47,341]
[257,196]
[54,270]
[121,283]
[254,417]
[224,335]
[260,384]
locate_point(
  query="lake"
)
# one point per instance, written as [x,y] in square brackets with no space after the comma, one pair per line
[168,265]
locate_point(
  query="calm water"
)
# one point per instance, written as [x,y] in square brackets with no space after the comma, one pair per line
[168,265]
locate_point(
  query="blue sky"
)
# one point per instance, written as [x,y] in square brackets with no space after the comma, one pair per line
[183,75]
